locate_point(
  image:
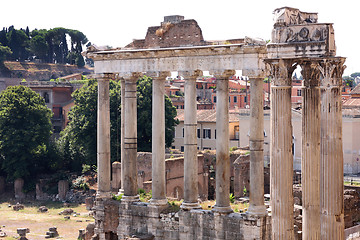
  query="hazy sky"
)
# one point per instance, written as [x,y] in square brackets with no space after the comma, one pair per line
[117,22]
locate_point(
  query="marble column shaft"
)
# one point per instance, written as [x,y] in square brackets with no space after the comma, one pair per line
[310,162]
[222,142]
[130,139]
[122,133]
[257,206]
[158,139]
[103,136]
[191,190]
[332,163]
[281,159]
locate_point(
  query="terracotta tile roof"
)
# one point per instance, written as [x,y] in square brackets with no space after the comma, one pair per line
[356,90]
[352,102]
[207,115]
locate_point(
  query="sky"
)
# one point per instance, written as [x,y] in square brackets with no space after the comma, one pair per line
[117,22]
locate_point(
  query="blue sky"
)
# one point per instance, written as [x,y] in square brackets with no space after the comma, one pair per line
[117,23]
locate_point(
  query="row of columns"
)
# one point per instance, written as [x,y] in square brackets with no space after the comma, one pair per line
[322,159]
[129,141]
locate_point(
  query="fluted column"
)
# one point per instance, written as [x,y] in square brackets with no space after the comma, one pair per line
[122,133]
[310,161]
[281,160]
[158,138]
[191,190]
[332,162]
[130,140]
[222,141]
[103,137]
[257,206]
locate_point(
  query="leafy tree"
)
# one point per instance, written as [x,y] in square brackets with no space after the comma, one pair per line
[25,130]
[4,52]
[78,140]
[18,42]
[39,47]
[355,74]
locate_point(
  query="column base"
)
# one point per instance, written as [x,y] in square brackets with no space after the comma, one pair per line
[158,202]
[121,191]
[257,210]
[103,194]
[130,199]
[222,210]
[189,206]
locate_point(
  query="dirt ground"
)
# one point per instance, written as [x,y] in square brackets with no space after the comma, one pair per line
[39,223]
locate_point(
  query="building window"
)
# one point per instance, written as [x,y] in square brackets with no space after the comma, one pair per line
[299,92]
[229,99]
[46,97]
[215,133]
[198,133]
[235,99]
[183,132]
[207,133]
[182,148]
[214,98]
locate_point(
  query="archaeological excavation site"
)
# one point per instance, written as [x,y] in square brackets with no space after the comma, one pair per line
[177,45]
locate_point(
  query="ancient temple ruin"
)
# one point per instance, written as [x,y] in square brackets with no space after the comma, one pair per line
[297,39]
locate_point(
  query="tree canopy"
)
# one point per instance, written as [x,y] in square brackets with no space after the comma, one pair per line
[57,45]
[25,129]
[78,140]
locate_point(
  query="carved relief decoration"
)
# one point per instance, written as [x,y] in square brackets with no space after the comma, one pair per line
[303,34]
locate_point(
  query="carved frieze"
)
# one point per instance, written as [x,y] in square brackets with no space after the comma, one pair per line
[302,33]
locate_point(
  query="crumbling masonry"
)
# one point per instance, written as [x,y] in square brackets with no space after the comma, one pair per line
[297,39]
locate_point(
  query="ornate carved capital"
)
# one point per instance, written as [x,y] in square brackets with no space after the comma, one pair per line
[223,74]
[191,75]
[281,71]
[158,75]
[310,72]
[332,70]
[132,76]
[107,76]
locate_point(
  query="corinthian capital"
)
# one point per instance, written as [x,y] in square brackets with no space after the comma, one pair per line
[310,72]
[332,70]
[281,71]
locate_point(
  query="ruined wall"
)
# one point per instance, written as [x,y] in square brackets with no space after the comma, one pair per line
[141,219]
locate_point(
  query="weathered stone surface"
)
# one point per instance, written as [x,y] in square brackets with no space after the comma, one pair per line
[42,209]
[18,188]
[18,207]
[63,188]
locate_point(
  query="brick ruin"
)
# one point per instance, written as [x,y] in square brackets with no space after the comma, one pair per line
[177,45]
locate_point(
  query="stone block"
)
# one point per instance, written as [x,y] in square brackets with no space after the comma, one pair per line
[18,188]
[63,188]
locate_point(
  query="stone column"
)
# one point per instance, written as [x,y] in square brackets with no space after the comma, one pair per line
[122,133]
[332,162]
[281,159]
[63,188]
[103,136]
[130,140]
[191,190]
[158,138]
[222,141]
[310,161]
[257,206]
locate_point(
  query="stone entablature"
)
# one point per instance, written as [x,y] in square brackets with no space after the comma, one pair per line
[212,57]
